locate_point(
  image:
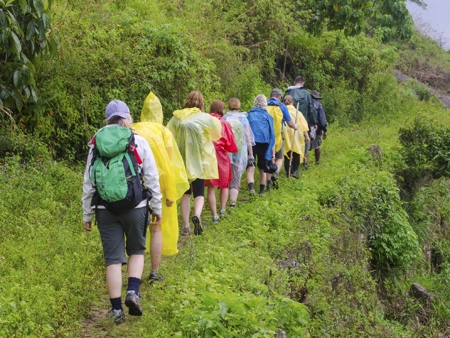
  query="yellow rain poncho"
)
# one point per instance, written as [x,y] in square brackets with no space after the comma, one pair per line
[277,115]
[288,133]
[172,174]
[194,132]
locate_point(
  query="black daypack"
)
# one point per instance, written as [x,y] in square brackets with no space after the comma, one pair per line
[115,172]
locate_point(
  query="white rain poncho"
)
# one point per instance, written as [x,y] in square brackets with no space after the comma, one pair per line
[243,135]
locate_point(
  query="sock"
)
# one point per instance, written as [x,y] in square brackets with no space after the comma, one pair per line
[261,188]
[116,303]
[133,284]
[251,185]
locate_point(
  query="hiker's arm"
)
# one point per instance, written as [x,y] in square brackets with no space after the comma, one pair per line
[151,177]
[292,125]
[88,192]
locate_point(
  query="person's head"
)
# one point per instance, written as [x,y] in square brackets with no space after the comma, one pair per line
[195,100]
[315,94]
[299,81]
[117,112]
[234,104]
[260,101]
[276,94]
[217,107]
[288,100]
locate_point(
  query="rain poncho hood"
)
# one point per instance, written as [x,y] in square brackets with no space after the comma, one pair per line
[194,132]
[223,146]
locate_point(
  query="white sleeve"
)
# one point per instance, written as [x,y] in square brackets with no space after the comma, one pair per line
[150,171]
[88,191]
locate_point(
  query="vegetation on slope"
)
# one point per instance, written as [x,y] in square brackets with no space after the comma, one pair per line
[332,254]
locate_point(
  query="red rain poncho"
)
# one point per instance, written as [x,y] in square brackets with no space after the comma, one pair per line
[226,144]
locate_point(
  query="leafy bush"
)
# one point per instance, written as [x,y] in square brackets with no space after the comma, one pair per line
[50,270]
[425,153]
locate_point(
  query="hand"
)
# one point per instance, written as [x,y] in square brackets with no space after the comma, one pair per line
[156,219]
[315,127]
[295,126]
[169,203]
[307,139]
[325,135]
[250,162]
[87,226]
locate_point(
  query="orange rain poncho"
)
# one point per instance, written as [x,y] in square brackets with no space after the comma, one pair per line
[226,144]
[299,142]
[172,174]
[194,132]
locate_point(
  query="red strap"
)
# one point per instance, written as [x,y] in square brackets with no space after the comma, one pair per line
[93,140]
[136,154]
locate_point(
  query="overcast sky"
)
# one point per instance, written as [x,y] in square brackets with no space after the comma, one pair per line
[437,15]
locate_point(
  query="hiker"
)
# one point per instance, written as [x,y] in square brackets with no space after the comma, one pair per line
[163,237]
[245,141]
[132,223]
[298,142]
[262,126]
[305,104]
[194,131]
[223,146]
[321,125]
[280,114]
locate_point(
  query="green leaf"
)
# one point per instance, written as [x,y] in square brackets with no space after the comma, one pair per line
[16,45]
[17,78]
[31,30]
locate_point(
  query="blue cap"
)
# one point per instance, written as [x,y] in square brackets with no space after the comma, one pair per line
[117,108]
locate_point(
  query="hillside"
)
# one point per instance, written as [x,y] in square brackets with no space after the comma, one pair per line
[337,253]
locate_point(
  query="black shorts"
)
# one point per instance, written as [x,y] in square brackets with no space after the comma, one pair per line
[259,153]
[197,187]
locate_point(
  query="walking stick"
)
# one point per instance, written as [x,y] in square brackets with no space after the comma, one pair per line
[292,147]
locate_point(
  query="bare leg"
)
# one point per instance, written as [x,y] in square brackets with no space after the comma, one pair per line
[156,246]
[223,198]
[135,266]
[211,199]
[279,163]
[250,174]
[234,194]
[317,154]
[199,201]
[263,176]
[114,280]
[185,208]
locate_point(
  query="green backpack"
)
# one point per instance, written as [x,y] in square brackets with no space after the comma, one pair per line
[115,173]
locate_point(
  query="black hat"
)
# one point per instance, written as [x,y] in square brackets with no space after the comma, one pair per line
[315,94]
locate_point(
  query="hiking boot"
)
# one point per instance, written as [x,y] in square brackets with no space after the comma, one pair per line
[295,174]
[117,316]
[233,205]
[198,229]
[261,193]
[305,165]
[269,185]
[252,192]
[274,176]
[215,219]
[185,231]
[222,213]
[133,303]
[155,277]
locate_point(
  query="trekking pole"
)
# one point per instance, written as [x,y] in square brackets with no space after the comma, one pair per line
[292,147]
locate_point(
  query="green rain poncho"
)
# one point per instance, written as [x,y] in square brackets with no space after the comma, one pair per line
[172,174]
[194,132]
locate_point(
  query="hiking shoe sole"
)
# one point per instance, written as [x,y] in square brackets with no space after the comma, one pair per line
[134,305]
[198,229]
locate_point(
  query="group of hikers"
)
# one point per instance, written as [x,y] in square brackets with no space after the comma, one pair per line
[136,167]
